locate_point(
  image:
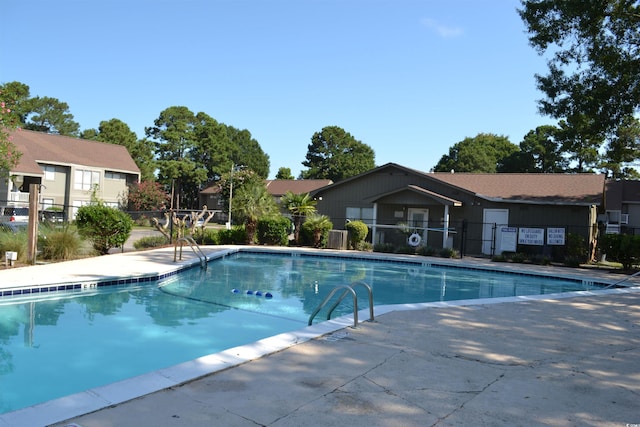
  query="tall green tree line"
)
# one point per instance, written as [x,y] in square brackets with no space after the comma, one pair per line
[593,82]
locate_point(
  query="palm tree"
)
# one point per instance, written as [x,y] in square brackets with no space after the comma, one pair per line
[252,202]
[317,224]
[299,205]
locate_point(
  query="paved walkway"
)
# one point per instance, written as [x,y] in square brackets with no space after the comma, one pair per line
[568,362]
[532,361]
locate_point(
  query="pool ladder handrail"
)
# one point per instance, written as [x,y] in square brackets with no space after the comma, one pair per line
[346,289]
[617,284]
[194,247]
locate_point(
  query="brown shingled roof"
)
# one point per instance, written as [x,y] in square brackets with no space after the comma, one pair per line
[277,187]
[541,188]
[39,147]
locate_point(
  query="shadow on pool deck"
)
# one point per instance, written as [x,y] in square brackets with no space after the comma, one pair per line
[566,362]
[536,362]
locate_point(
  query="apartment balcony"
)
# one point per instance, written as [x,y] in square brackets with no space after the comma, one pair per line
[18,198]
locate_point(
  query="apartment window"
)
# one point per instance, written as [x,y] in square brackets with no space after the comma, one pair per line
[49,173]
[86,179]
[362,214]
[114,175]
[47,203]
[78,204]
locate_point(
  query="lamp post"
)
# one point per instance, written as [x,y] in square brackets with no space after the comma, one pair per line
[230,195]
[234,167]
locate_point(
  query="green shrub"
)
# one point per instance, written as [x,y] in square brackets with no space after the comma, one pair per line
[315,230]
[235,236]
[541,259]
[273,231]
[365,247]
[18,242]
[143,221]
[426,251]
[358,231]
[577,247]
[105,226]
[388,248]
[449,253]
[572,261]
[622,248]
[60,243]
[150,242]
[197,234]
[211,236]
[519,257]
[405,249]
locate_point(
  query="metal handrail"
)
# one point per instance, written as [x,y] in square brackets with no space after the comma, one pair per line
[194,247]
[353,285]
[345,290]
[623,280]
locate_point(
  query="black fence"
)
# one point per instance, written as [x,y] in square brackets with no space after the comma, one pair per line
[65,213]
[468,238]
[552,241]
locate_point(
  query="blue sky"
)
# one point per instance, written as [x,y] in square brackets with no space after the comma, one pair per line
[409,78]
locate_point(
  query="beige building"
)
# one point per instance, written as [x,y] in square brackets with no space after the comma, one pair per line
[69,172]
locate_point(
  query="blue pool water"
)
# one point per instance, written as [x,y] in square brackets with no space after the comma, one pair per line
[68,342]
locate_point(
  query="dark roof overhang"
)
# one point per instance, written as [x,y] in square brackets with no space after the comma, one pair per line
[444,200]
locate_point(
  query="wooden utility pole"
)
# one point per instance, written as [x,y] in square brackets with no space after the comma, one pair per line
[32,244]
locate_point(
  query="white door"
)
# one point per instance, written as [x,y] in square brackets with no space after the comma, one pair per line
[493,220]
[419,220]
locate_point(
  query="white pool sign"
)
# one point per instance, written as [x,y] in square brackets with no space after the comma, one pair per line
[555,236]
[536,236]
[531,236]
[508,239]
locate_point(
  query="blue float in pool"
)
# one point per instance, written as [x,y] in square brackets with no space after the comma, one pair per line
[249,292]
[235,291]
[268,295]
[258,293]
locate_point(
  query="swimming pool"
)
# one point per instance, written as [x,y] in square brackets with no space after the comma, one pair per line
[104,335]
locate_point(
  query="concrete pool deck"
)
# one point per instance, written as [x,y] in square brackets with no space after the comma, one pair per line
[544,360]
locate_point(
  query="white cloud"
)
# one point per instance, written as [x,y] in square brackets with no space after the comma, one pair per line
[444,31]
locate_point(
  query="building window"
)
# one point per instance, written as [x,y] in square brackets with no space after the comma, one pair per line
[49,173]
[360,214]
[85,179]
[114,175]
[78,204]
[47,203]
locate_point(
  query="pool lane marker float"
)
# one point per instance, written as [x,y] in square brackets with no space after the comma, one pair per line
[256,293]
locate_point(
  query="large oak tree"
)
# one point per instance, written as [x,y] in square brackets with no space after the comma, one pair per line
[594,68]
[335,154]
[116,131]
[480,154]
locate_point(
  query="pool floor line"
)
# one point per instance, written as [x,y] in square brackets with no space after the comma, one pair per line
[71,406]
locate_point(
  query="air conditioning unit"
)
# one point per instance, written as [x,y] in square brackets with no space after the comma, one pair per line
[612,229]
[624,218]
